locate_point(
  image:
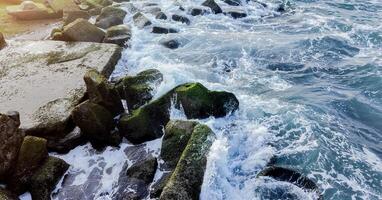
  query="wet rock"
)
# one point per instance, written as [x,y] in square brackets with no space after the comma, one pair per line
[119,35]
[187,178]
[171,44]
[11,138]
[102,93]
[177,135]
[67,143]
[233,2]
[45,179]
[143,170]
[180,18]
[285,66]
[96,123]
[2,41]
[7,195]
[83,31]
[32,154]
[146,123]
[47,114]
[161,15]
[235,12]
[138,90]
[29,10]
[152,10]
[140,20]
[197,11]
[157,187]
[288,175]
[98,3]
[161,30]
[213,5]
[110,16]
[71,15]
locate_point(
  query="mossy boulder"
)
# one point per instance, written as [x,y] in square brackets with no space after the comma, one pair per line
[147,122]
[7,195]
[32,154]
[138,90]
[119,35]
[102,93]
[96,123]
[11,138]
[187,178]
[110,16]
[44,180]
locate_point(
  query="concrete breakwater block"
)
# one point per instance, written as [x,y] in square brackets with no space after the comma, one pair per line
[43,80]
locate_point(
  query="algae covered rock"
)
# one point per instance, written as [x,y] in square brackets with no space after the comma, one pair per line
[83,31]
[110,16]
[138,90]
[119,35]
[187,178]
[44,180]
[96,123]
[102,93]
[7,195]
[11,138]
[32,154]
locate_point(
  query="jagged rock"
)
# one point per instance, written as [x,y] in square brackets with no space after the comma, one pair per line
[161,30]
[32,154]
[119,35]
[44,180]
[98,3]
[171,44]
[102,93]
[7,195]
[138,90]
[67,143]
[235,12]
[197,11]
[11,138]
[146,123]
[110,16]
[96,123]
[29,10]
[180,18]
[187,178]
[233,2]
[288,175]
[83,31]
[215,8]
[161,15]
[71,15]
[2,41]
[47,114]
[140,20]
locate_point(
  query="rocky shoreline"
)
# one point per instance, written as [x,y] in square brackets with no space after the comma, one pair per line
[61,96]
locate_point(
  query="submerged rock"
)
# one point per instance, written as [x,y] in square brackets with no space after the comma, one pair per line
[180,18]
[233,2]
[141,20]
[110,16]
[215,8]
[171,44]
[32,154]
[44,180]
[7,195]
[102,93]
[198,11]
[138,90]
[161,15]
[161,30]
[2,41]
[119,35]
[187,178]
[235,12]
[285,66]
[71,15]
[11,138]
[146,123]
[83,31]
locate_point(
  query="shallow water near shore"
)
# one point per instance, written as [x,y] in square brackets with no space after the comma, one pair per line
[309,82]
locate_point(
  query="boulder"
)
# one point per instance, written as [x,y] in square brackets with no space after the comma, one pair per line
[96,123]
[67,143]
[171,44]
[71,15]
[197,101]
[7,195]
[110,16]
[83,31]
[45,106]
[11,138]
[140,20]
[215,8]
[29,10]
[157,187]
[138,90]
[32,154]
[235,12]
[143,170]
[180,18]
[45,179]
[98,3]
[198,11]
[233,2]
[101,92]
[161,15]
[119,35]
[161,30]
[187,178]
[2,41]
[59,6]
[95,11]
